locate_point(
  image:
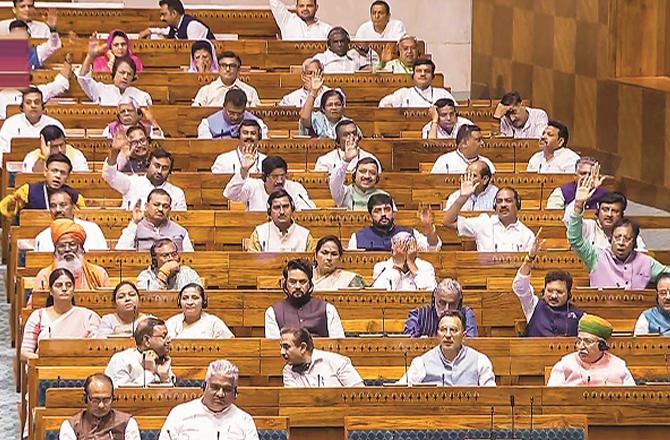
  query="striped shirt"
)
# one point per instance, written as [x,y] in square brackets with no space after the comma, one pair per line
[423,322]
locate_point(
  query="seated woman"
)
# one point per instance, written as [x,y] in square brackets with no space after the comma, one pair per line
[118,45]
[192,322]
[203,57]
[322,123]
[123,322]
[327,274]
[60,319]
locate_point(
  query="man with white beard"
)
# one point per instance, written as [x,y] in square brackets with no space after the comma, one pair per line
[68,238]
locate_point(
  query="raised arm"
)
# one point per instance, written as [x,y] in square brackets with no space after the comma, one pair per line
[584,250]
[432,134]
[314,84]
[467,189]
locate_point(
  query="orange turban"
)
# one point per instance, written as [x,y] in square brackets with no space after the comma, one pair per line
[63,226]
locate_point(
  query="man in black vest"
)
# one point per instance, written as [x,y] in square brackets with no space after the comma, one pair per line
[299,309]
[180,25]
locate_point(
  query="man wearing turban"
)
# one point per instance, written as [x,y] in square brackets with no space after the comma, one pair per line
[591,364]
[68,238]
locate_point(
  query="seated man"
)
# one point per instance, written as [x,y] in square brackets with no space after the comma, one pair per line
[448,295]
[407,52]
[229,163]
[301,24]
[484,196]
[341,58]
[620,265]
[35,195]
[404,271]
[422,93]
[136,187]
[591,364]
[445,121]
[27,124]
[99,420]
[133,155]
[52,141]
[300,308]
[297,98]
[562,196]
[517,120]
[214,93]
[180,25]
[554,157]
[148,226]
[129,114]
[24,10]
[377,237]
[657,319]
[381,26]
[451,363]
[553,314]
[255,192]
[69,238]
[226,123]
[501,232]
[148,362]
[62,206]
[124,73]
[213,413]
[37,55]
[307,367]
[281,233]
[166,272]
[346,131]
[469,142]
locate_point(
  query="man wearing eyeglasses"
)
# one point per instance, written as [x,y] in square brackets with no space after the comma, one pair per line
[591,364]
[213,94]
[99,420]
[166,271]
[656,320]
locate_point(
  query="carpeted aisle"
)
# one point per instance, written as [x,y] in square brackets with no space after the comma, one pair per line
[9,417]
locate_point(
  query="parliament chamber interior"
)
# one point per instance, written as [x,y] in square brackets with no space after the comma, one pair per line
[327,219]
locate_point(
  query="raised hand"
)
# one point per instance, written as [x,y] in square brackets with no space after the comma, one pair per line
[315,83]
[361,48]
[425,215]
[163,369]
[468,185]
[248,156]
[538,245]
[350,147]
[584,190]
[399,251]
[66,69]
[598,179]
[138,212]
[95,48]
[412,251]
[432,111]
[45,149]
[119,142]
[388,53]
[52,18]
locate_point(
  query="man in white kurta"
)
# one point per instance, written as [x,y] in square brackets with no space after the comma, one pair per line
[214,415]
[110,94]
[469,142]
[307,367]
[345,129]
[298,97]
[404,271]
[229,162]
[445,121]
[213,94]
[340,57]
[381,26]
[49,90]
[24,10]
[302,24]
[485,192]
[554,156]
[422,93]
[519,121]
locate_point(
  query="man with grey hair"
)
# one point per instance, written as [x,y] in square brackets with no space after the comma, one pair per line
[297,98]
[562,196]
[214,415]
[404,270]
[407,51]
[448,295]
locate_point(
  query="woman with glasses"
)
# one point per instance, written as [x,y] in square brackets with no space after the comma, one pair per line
[656,320]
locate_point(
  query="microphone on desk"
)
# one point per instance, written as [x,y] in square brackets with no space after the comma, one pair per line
[532,402]
[120,269]
[390,284]
[134,319]
[512,404]
[169,433]
[311,205]
[218,435]
[491,431]
[384,326]
[377,277]
[144,375]
[318,380]
[233,168]
[404,354]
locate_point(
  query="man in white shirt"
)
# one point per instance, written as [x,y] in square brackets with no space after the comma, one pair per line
[301,25]
[381,26]
[407,52]
[213,94]
[24,10]
[148,226]
[451,363]
[469,142]
[346,131]
[340,58]
[445,121]
[300,308]
[215,414]
[404,271]
[166,271]
[307,367]
[27,124]
[225,124]
[484,196]
[501,232]
[146,363]
[37,55]
[136,187]
[555,156]
[422,94]
[517,120]
[124,73]
[52,141]
[61,206]
[180,25]
[99,420]
[229,163]
[281,233]
[297,98]
[255,192]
